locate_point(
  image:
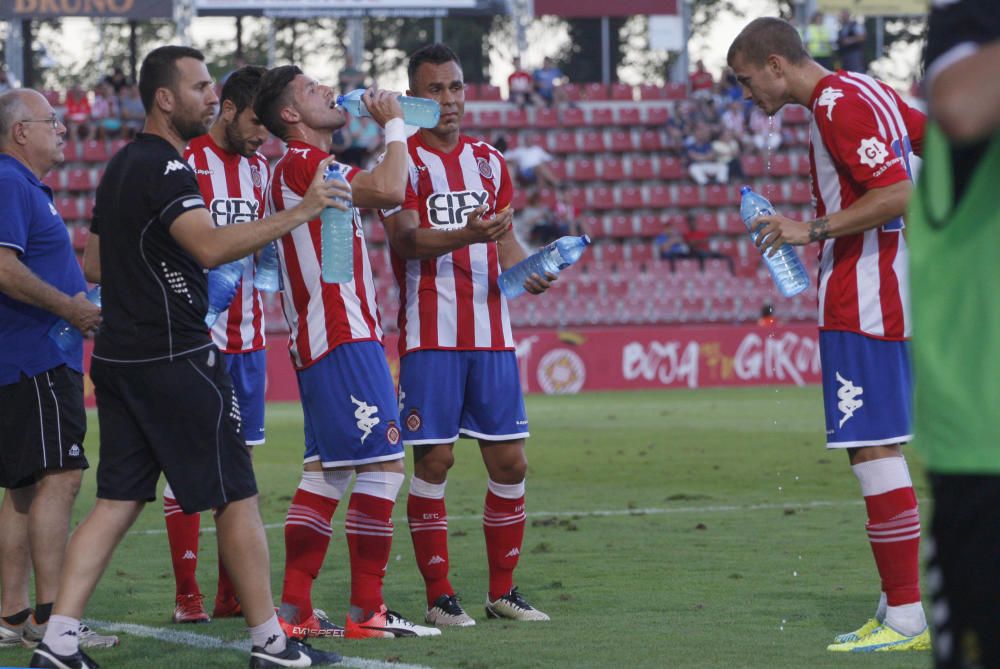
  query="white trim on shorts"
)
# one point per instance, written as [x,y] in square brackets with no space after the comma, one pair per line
[494,437]
[254,442]
[878,442]
[430,442]
[355,463]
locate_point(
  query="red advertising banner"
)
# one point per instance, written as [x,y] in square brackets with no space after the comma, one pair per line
[624,358]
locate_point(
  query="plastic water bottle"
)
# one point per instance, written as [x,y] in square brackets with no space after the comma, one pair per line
[222,284]
[551,259]
[337,238]
[785,265]
[421,112]
[65,335]
[266,277]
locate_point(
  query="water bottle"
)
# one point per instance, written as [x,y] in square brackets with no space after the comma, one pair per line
[551,259]
[785,266]
[265,277]
[222,284]
[420,112]
[337,238]
[65,335]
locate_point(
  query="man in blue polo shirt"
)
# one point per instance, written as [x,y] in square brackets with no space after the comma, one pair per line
[42,420]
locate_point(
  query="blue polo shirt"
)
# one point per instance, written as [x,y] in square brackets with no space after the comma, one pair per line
[30,224]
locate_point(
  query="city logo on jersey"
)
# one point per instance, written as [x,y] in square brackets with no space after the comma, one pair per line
[392,433]
[872,152]
[413,421]
[226,210]
[449,211]
[173,166]
[847,396]
[484,167]
[365,413]
[258,181]
[828,98]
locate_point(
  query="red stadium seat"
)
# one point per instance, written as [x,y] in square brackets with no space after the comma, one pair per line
[657,115]
[621,140]
[533,139]
[489,93]
[611,253]
[602,116]
[564,141]
[471,93]
[641,252]
[547,118]
[658,197]
[802,165]
[116,146]
[94,151]
[676,91]
[631,197]
[572,117]
[652,92]
[471,120]
[576,195]
[621,92]
[79,179]
[651,140]
[620,227]
[780,165]
[592,225]
[629,116]
[584,170]
[732,224]
[54,180]
[705,222]
[671,168]
[752,166]
[800,193]
[519,199]
[70,210]
[718,195]
[602,197]
[593,142]
[642,168]
[514,119]
[573,92]
[558,169]
[71,150]
[489,119]
[612,169]
[689,196]
[775,193]
[595,91]
[651,225]
[794,114]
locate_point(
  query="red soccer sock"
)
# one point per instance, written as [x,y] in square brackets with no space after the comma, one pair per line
[428,521]
[182,534]
[369,540]
[894,532]
[307,537]
[503,525]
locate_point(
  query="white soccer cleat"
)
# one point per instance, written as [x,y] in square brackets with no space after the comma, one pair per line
[447,612]
[512,606]
[386,624]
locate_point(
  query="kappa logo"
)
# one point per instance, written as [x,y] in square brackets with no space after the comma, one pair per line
[872,152]
[204,173]
[230,210]
[513,552]
[300,152]
[828,98]
[437,559]
[450,211]
[189,555]
[173,166]
[365,413]
[74,450]
[847,395]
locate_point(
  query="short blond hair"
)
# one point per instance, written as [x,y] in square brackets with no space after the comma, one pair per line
[768,36]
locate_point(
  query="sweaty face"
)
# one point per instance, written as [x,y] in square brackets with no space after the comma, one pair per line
[195,100]
[760,84]
[442,82]
[316,104]
[246,133]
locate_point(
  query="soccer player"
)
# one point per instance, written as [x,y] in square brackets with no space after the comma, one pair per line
[862,137]
[164,399]
[458,372]
[348,398]
[954,226]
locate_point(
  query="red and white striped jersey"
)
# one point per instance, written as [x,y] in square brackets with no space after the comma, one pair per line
[234,188]
[321,316]
[862,136]
[453,301]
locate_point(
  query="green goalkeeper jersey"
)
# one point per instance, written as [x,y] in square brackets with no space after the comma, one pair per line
[954,238]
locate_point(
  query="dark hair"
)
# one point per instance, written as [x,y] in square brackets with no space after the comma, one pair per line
[272,95]
[768,36]
[159,70]
[241,86]
[435,54]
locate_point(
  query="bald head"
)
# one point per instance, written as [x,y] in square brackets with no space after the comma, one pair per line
[18,104]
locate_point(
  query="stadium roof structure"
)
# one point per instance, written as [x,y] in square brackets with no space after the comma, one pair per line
[349,8]
[598,8]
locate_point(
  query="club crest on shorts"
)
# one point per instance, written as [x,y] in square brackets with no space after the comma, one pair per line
[255,177]
[413,421]
[392,433]
[484,168]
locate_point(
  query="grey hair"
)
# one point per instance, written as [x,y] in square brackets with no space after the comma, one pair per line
[12,110]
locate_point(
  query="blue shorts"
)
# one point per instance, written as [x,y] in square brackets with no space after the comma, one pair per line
[867,390]
[350,408]
[444,394]
[249,374]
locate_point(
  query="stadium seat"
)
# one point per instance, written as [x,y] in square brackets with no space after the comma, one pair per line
[621,140]
[800,193]
[716,266]
[612,169]
[564,141]
[558,169]
[514,119]
[489,119]
[642,168]
[572,117]
[573,92]
[471,93]
[651,140]
[652,92]
[620,227]
[71,150]
[54,180]
[780,165]
[718,195]
[593,142]
[689,195]
[592,225]
[116,146]
[651,225]
[641,252]
[79,179]
[70,210]
[773,192]
[94,151]
[752,166]
[601,116]
[531,138]
[611,253]
[489,93]
[472,121]
[732,223]
[547,118]
[630,117]
[658,197]
[794,114]
[621,91]
[519,199]
[802,165]
[676,91]
[616,286]
[631,197]
[583,169]
[549,196]
[706,222]
[595,91]
[657,116]
[602,197]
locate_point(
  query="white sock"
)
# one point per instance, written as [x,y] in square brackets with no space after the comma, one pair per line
[880,610]
[908,619]
[421,488]
[384,485]
[268,635]
[506,490]
[62,635]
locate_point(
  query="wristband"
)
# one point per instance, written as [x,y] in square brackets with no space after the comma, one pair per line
[395,131]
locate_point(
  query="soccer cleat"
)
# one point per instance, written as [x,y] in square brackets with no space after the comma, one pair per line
[884,639]
[316,626]
[33,632]
[190,609]
[446,611]
[296,654]
[864,630]
[227,607]
[386,624]
[91,639]
[513,607]
[44,657]
[10,635]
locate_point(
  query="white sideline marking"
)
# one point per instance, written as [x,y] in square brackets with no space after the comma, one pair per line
[210,642]
[602,513]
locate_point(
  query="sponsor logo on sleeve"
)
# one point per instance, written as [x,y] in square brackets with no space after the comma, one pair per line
[173,166]
[872,152]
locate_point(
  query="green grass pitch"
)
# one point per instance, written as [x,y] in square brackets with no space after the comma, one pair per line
[705,528]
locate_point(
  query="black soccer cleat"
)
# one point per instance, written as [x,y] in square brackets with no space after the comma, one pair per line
[44,657]
[296,654]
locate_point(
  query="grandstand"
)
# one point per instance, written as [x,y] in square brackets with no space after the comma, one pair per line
[628,178]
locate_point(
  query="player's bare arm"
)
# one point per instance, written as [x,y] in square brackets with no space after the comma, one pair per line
[876,207]
[18,282]
[92,258]
[511,252]
[966,102]
[409,240]
[385,185]
[212,246]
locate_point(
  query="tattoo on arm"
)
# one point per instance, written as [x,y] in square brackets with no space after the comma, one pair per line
[819,229]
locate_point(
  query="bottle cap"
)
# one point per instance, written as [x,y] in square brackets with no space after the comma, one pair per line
[745,190]
[586,240]
[340,100]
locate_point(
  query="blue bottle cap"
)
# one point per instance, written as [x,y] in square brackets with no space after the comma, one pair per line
[586,240]
[745,190]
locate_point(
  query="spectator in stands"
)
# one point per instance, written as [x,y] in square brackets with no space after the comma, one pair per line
[765,131]
[819,42]
[702,82]
[679,124]
[729,88]
[734,118]
[364,137]
[702,159]
[132,111]
[7,82]
[548,83]
[116,80]
[567,215]
[530,166]
[699,243]
[350,77]
[670,244]
[727,150]
[851,43]
[77,116]
[521,85]
[534,221]
[105,111]
[767,318]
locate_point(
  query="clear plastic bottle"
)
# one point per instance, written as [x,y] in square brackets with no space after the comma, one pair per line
[552,258]
[421,112]
[337,238]
[786,267]
[222,284]
[266,276]
[65,335]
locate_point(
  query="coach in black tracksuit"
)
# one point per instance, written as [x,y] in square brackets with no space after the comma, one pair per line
[164,399]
